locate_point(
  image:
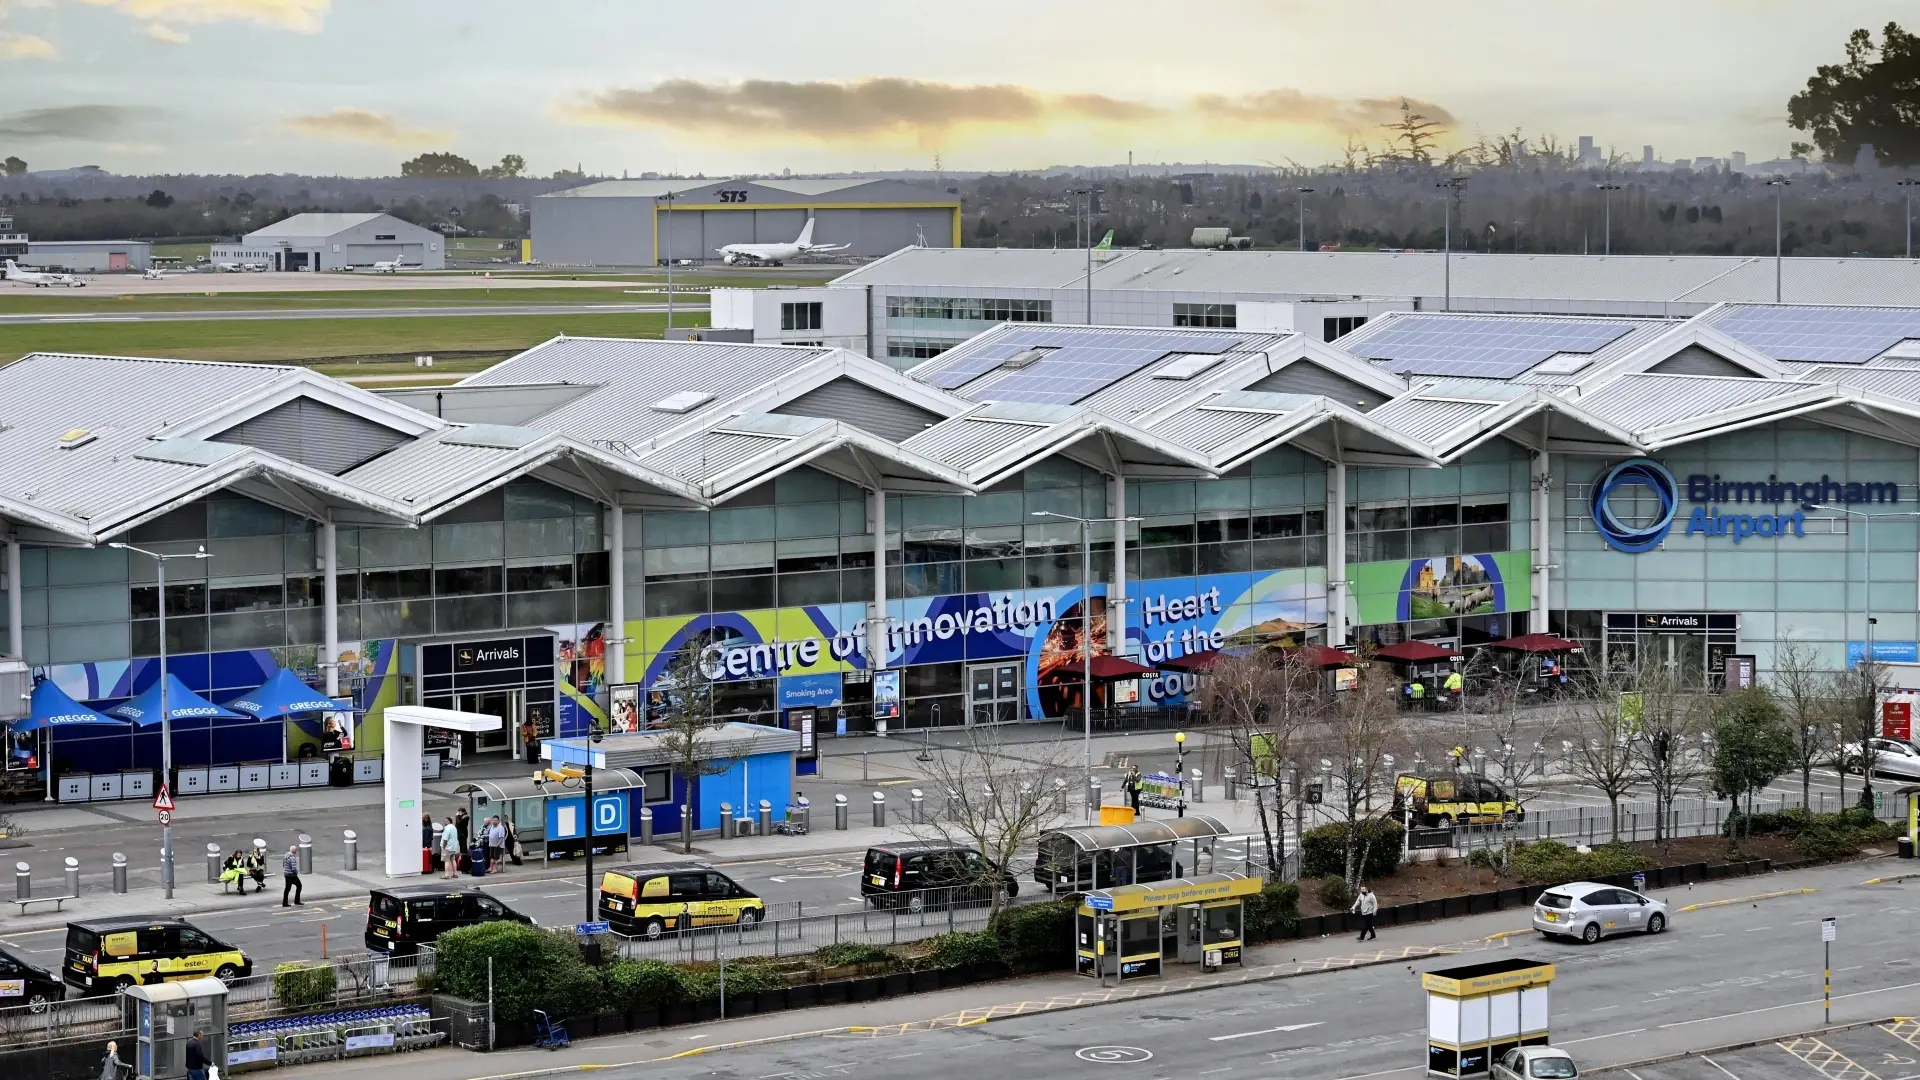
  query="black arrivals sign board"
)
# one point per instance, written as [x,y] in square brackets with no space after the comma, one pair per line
[490,655]
[1672,621]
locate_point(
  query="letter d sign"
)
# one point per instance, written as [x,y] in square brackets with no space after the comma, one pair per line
[609,815]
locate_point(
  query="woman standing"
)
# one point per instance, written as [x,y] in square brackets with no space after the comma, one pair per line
[111,1067]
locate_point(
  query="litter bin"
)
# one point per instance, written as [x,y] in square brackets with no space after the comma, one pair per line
[1906,847]
[340,771]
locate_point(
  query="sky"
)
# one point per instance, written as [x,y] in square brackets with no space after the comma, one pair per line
[354,87]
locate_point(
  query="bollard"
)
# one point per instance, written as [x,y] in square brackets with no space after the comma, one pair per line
[806,813]
[73,876]
[879,809]
[22,881]
[119,873]
[1093,796]
[646,825]
[213,863]
[1199,786]
[766,817]
[840,813]
[953,804]
[1232,780]
[306,854]
[863,765]
[726,821]
[353,850]
[917,801]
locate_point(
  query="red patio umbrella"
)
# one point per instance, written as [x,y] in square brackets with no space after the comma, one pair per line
[1193,661]
[1416,652]
[1106,667]
[1323,656]
[1535,643]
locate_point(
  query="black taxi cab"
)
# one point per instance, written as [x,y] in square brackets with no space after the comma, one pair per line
[401,919]
[651,900]
[106,955]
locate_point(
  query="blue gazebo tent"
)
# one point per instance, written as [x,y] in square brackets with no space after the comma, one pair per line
[182,704]
[284,696]
[50,708]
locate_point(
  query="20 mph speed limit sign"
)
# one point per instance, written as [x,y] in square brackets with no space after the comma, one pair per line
[166,817]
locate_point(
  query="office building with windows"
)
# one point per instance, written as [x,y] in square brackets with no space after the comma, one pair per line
[833,540]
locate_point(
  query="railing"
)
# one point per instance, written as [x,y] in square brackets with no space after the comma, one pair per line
[1690,816]
[906,916]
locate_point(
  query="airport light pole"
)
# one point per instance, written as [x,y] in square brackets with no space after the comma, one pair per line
[1454,186]
[1909,184]
[1300,203]
[166,718]
[1778,184]
[1086,617]
[668,198]
[1086,203]
[1609,188]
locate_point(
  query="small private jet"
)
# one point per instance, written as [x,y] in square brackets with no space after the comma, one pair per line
[775,254]
[41,279]
[393,266]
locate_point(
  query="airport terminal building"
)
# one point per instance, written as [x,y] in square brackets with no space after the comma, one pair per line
[831,538]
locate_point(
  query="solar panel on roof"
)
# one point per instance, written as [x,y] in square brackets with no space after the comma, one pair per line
[1481,348]
[1821,335]
[1081,362]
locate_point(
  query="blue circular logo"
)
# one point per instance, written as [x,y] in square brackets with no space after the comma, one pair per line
[1633,536]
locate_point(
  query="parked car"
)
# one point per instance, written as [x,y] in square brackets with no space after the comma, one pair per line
[1535,1063]
[651,900]
[403,918]
[931,874]
[23,983]
[1891,757]
[1454,798]
[1590,911]
[106,955]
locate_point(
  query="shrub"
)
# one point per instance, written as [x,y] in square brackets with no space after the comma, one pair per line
[964,949]
[746,977]
[1486,858]
[641,984]
[1038,934]
[852,953]
[532,969]
[298,984]
[1334,893]
[1551,862]
[1273,912]
[1323,851]
[1787,823]
[1835,836]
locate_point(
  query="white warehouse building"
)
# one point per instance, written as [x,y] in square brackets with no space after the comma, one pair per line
[316,242]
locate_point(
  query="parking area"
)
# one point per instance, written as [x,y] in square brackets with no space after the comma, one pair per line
[1886,1051]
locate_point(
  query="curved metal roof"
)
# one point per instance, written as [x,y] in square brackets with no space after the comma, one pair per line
[1143,833]
[604,780]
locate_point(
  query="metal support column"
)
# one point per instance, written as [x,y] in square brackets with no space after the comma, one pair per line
[16,620]
[330,607]
[1542,484]
[877,618]
[1336,554]
[616,596]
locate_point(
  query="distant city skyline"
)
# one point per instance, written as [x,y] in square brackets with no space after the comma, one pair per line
[354,87]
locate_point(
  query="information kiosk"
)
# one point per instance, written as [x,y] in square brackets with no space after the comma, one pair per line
[1478,1012]
[1130,931]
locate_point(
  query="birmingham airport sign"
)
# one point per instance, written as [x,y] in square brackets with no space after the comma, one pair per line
[1710,496]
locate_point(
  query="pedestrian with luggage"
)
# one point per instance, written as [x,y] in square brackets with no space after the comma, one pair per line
[111,1067]
[197,1056]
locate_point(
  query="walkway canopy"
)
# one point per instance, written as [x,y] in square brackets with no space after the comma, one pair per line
[1142,833]
[285,695]
[1103,856]
[1535,643]
[1415,652]
[182,704]
[484,792]
[50,707]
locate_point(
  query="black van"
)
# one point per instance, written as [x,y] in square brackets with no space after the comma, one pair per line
[105,955]
[26,983]
[930,874]
[400,920]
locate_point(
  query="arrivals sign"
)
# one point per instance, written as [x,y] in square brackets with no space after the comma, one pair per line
[1721,506]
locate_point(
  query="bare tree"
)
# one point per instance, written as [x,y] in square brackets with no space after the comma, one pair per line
[1806,694]
[1599,742]
[1518,741]
[999,798]
[1261,701]
[1361,726]
[1857,708]
[687,722]
[1666,722]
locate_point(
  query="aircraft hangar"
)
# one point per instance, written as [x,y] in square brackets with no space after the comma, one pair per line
[644,222]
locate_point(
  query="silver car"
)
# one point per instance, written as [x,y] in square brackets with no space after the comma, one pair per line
[1535,1063]
[1589,911]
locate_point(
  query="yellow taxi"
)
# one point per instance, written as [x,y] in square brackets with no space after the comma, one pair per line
[105,955]
[1463,799]
[649,901]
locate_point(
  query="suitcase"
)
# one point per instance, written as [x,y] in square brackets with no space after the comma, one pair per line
[426,860]
[477,862]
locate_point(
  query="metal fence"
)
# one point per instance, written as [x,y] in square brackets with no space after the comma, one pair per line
[359,980]
[788,931]
[1690,816]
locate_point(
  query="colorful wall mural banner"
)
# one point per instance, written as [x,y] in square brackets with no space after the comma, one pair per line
[1441,587]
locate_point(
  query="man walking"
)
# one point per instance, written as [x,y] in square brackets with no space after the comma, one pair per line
[196,1056]
[290,873]
[1367,905]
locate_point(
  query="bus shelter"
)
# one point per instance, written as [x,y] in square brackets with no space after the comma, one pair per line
[1478,1012]
[1132,931]
[550,816]
[1092,857]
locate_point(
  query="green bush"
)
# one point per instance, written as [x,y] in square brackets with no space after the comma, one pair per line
[1037,934]
[1323,851]
[1787,823]
[964,949]
[641,984]
[1334,893]
[298,984]
[1835,836]
[852,953]
[532,969]
[745,977]
[1550,862]
[1273,912]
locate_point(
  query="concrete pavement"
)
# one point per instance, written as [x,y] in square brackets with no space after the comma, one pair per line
[1330,1009]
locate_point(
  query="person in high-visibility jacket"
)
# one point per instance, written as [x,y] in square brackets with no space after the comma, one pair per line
[1455,686]
[1417,691]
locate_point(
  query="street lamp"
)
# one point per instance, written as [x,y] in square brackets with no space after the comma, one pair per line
[668,199]
[1778,184]
[1086,203]
[1086,616]
[1454,186]
[1180,770]
[166,719]
[1909,183]
[1300,200]
[1609,188]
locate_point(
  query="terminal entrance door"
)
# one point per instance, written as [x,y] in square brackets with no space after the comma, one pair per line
[1691,647]
[505,704]
[993,693]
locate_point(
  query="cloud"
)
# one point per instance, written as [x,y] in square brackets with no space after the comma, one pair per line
[305,16]
[843,111]
[1294,108]
[26,47]
[360,125]
[81,122]
[167,35]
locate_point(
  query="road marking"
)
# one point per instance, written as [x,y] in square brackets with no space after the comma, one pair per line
[1756,898]
[1210,1072]
[1826,1060]
[1753,929]
[1789,1005]
[1717,1065]
[1268,1031]
[1595,1038]
[1630,1072]
[1389,1072]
